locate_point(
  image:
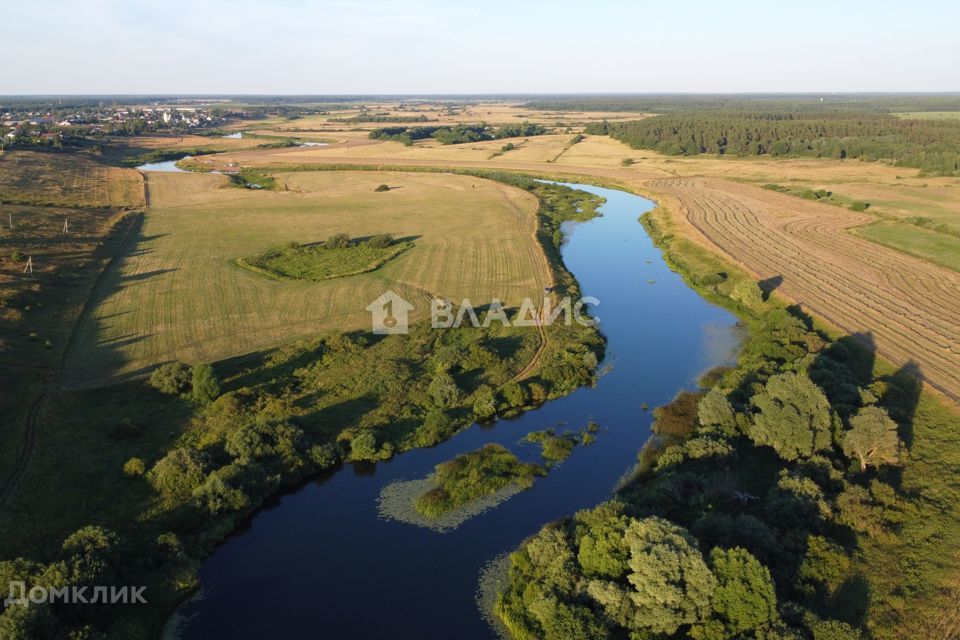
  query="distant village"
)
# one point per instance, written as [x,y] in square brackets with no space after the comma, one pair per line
[58,126]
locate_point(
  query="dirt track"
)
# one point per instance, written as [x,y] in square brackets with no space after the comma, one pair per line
[910,308]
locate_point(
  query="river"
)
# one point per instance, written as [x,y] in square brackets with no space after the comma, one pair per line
[321,563]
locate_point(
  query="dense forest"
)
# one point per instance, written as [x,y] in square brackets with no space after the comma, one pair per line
[931,145]
[458,133]
[667,103]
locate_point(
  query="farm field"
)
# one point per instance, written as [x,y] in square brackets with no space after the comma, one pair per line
[178,295]
[908,308]
[67,179]
[928,115]
[940,248]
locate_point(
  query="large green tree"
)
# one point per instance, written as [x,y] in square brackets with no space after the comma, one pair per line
[872,438]
[670,585]
[745,598]
[794,416]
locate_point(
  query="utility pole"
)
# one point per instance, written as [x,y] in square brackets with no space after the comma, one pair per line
[10,219]
[29,267]
[66,225]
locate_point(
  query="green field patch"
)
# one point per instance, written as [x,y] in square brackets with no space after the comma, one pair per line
[336,258]
[941,248]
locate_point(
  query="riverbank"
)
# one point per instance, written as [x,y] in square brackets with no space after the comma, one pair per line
[835,565]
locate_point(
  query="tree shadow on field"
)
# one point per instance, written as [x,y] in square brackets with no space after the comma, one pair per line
[334,418]
[843,369]
[92,356]
[769,285]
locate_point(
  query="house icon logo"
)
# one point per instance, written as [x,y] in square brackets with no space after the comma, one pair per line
[389,314]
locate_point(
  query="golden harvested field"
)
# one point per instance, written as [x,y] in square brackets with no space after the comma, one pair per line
[493,113]
[71,180]
[177,295]
[910,308]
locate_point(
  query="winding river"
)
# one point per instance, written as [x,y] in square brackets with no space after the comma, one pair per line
[321,563]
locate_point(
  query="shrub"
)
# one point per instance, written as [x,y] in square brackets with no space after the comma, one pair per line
[857,205]
[382,187]
[514,395]
[17,255]
[325,456]
[363,446]
[177,474]
[172,378]
[216,496]
[134,467]
[337,241]
[204,384]
[484,403]
[380,241]
[437,427]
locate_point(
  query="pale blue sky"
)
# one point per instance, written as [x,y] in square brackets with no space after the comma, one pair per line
[446,46]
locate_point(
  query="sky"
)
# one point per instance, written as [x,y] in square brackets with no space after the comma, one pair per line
[477,46]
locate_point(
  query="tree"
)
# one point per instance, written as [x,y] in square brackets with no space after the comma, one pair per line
[794,417]
[484,403]
[747,292]
[873,438]
[177,474]
[443,390]
[671,584]
[205,385]
[363,446]
[714,410]
[514,394]
[602,551]
[216,496]
[745,597]
[172,378]
[134,467]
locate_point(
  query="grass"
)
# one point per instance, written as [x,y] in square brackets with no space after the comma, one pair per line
[68,180]
[177,294]
[940,248]
[475,475]
[317,262]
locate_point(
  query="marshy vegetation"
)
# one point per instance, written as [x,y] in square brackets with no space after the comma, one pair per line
[475,475]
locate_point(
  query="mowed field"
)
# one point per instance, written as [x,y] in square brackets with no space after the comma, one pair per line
[176,293]
[908,307]
[67,179]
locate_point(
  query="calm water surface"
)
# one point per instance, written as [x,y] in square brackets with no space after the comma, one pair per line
[320,563]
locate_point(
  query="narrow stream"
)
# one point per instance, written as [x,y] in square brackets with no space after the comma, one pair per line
[321,563]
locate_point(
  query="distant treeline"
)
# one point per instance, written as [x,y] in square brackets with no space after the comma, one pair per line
[383,118]
[457,134]
[884,103]
[931,145]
